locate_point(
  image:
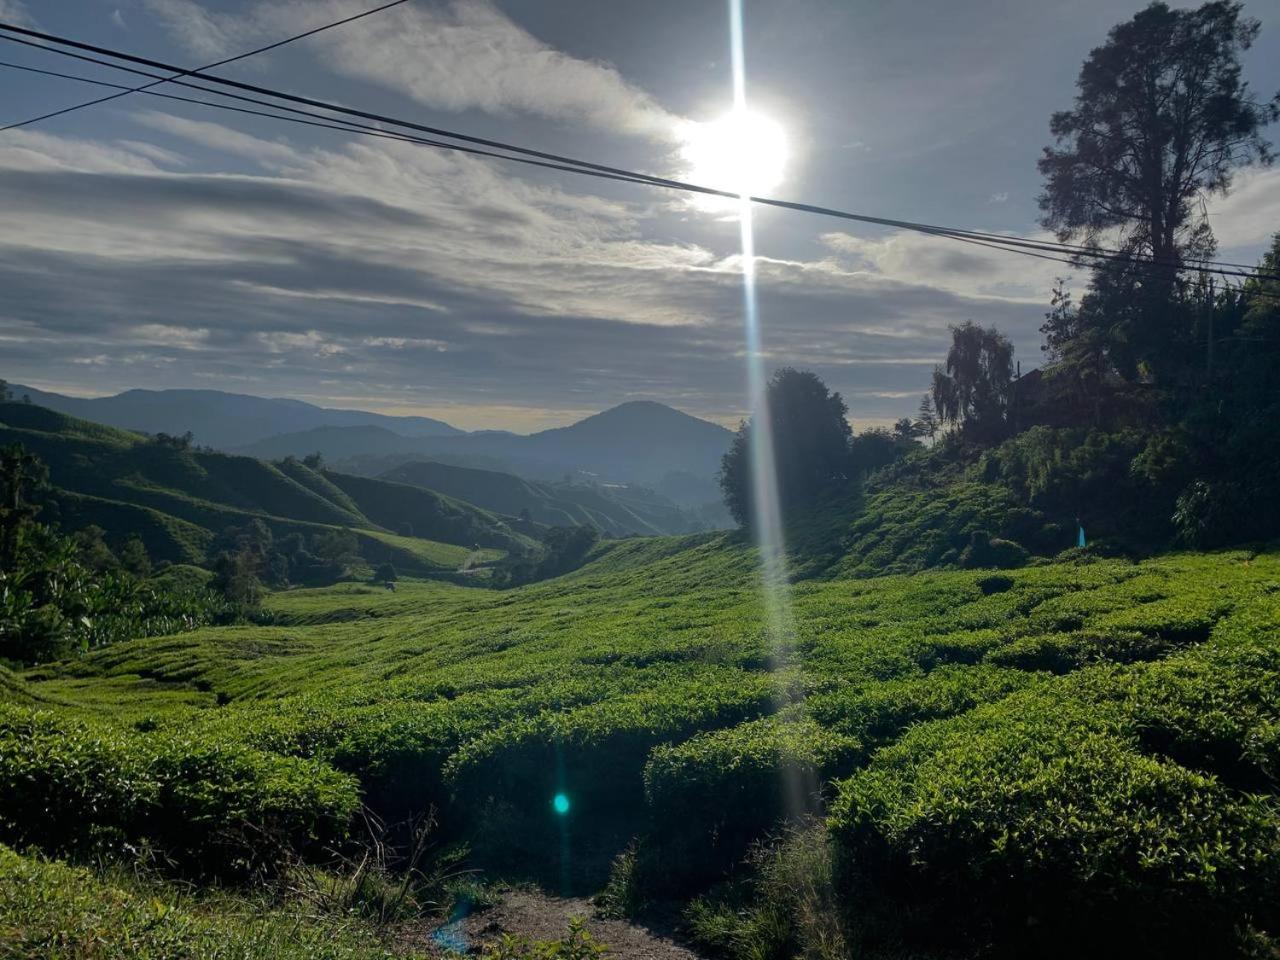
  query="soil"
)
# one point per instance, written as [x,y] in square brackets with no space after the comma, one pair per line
[530,913]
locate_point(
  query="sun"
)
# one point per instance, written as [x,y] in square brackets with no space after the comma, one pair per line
[743,151]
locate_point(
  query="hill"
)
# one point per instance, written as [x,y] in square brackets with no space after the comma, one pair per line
[638,442]
[222,420]
[619,510]
[1092,744]
[180,500]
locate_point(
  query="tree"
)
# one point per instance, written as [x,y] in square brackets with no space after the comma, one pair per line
[6,392]
[1161,120]
[21,474]
[386,573]
[811,438]
[314,461]
[875,448]
[92,549]
[972,392]
[905,430]
[135,559]
[236,579]
[927,418]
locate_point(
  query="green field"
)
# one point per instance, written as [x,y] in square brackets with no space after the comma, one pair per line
[180,500]
[1067,740]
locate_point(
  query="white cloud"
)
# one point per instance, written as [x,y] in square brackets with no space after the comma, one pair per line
[1250,215]
[13,11]
[215,136]
[400,272]
[209,36]
[118,19]
[972,270]
[463,55]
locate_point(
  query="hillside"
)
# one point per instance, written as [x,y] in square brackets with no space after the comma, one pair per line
[953,721]
[639,442]
[220,419]
[179,500]
[619,511]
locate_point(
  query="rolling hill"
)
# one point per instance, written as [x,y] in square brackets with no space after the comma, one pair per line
[219,419]
[179,500]
[616,510]
[638,442]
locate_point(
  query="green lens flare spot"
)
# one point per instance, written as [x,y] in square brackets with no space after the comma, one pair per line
[560,804]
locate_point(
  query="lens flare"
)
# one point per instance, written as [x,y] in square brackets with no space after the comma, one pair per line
[767,513]
[560,803]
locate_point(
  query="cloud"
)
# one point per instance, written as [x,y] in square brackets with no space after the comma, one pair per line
[118,19]
[969,269]
[13,11]
[1250,215]
[207,35]
[1001,197]
[462,55]
[215,136]
[386,274]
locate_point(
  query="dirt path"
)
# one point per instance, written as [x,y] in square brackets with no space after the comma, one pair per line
[532,914]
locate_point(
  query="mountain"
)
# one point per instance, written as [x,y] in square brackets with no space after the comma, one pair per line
[223,420]
[637,442]
[180,500]
[617,510]
[335,443]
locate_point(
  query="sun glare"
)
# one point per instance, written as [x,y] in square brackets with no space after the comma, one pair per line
[743,151]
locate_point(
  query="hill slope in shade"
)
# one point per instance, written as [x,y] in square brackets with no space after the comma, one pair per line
[222,419]
[639,442]
[179,500]
[619,511]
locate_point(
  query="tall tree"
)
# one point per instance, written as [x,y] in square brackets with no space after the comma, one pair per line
[21,474]
[811,438]
[927,418]
[1161,120]
[972,391]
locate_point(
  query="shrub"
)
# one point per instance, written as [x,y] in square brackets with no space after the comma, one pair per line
[70,785]
[1039,824]
[713,794]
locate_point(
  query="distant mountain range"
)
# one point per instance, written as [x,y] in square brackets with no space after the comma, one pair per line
[223,420]
[181,500]
[637,442]
[640,442]
[614,510]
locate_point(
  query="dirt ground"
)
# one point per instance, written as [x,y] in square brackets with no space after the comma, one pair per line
[538,916]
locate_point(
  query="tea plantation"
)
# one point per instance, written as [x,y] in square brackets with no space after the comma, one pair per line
[1076,756]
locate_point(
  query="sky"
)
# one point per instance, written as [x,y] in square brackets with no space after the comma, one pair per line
[150,243]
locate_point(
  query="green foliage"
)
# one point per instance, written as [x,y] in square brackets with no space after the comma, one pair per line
[972,390]
[52,911]
[785,906]
[577,944]
[221,808]
[1112,810]
[564,549]
[1104,693]
[178,499]
[810,436]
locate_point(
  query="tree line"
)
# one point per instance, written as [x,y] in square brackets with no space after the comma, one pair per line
[1157,375]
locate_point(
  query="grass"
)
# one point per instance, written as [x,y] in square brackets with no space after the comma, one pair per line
[1003,752]
[52,911]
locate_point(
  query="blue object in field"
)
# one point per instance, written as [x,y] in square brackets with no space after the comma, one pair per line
[1081,541]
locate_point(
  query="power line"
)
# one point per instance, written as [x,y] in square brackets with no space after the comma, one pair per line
[1022,245]
[219,63]
[343,126]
